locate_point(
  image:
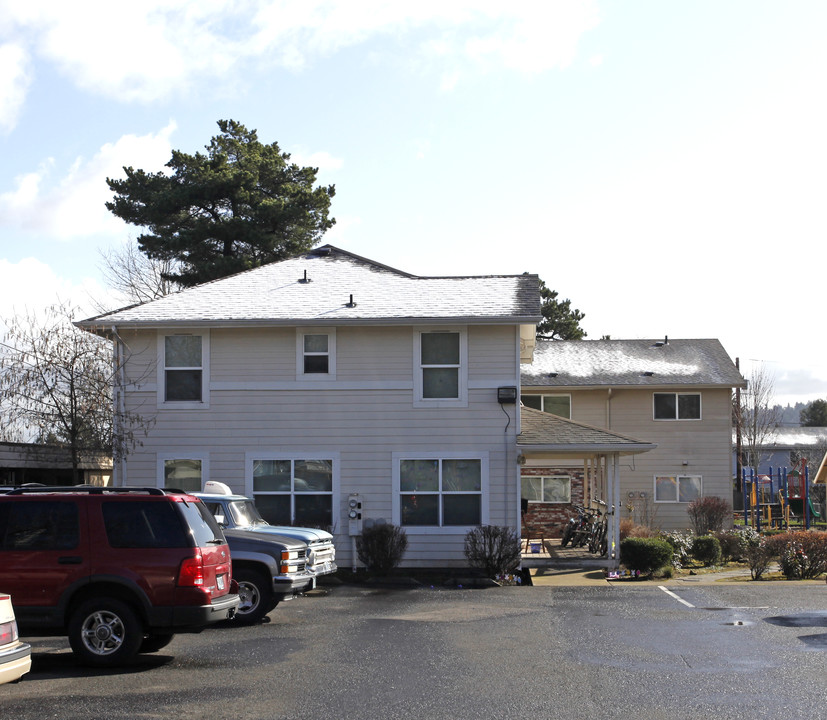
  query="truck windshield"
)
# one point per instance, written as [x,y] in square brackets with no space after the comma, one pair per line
[245,513]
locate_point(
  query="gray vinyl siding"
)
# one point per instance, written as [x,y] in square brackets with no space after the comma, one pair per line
[361,418]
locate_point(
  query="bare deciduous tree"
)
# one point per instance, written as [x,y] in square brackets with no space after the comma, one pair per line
[56,387]
[756,416]
[136,277]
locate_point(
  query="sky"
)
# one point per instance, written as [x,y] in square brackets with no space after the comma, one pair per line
[660,164]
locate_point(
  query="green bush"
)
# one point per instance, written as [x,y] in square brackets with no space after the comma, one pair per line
[645,555]
[493,549]
[381,547]
[706,550]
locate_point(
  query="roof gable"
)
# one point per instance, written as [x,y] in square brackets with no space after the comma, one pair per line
[332,286]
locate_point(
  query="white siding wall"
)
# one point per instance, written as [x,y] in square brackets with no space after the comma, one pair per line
[362,417]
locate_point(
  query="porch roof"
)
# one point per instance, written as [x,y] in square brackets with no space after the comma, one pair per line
[542,432]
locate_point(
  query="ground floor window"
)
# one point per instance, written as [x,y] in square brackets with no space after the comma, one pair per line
[678,488]
[183,473]
[547,489]
[294,491]
[440,492]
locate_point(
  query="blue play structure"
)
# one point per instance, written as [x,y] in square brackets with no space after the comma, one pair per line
[777,497]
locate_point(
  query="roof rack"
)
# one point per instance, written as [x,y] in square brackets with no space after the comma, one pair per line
[89,489]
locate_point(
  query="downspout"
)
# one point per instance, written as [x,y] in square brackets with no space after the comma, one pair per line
[609,409]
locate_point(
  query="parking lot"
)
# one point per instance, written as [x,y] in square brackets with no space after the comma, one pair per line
[588,650]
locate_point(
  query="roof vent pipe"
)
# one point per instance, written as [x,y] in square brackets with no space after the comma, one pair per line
[305,279]
[351,304]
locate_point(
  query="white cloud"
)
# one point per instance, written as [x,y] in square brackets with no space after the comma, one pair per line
[74,205]
[14,82]
[322,160]
[149,50]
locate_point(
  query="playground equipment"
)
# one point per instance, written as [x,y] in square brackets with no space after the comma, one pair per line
[773,501]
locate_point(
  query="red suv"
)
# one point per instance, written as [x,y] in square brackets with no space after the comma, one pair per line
[119,570]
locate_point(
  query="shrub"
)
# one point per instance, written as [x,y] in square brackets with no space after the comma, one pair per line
[759,555]
[645,555]
[629,528]
[493,549]
[681,543]
[733,544]
[802,555]
[706,550]
[381,547]
[708,514]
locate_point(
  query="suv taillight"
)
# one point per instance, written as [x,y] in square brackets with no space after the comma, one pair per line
[191,573]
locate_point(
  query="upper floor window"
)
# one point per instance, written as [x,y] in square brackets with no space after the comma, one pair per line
[677,406]
[559,405]
[183,368]
[441,373]
[316,353]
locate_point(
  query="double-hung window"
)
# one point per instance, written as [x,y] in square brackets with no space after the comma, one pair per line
[316,353]
[440,492]
[677,406]
[440,367]
[559,405]
[293,491]
[678,488]
[183,369]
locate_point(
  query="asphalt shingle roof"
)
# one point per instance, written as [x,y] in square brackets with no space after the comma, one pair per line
[332,286]
[543,431]
[643,363]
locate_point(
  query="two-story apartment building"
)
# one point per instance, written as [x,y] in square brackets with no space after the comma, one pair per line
[675,395]
[328,383]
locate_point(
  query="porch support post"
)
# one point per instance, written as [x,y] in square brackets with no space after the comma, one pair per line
[614,518]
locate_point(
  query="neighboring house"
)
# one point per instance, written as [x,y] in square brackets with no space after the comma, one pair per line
[328,383]
[22,463]
[784,447]
[675,395]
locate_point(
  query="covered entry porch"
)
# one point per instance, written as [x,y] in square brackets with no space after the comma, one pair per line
[565,464]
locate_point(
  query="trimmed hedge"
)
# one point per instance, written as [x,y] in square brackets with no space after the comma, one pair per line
[706,549]
[645,555]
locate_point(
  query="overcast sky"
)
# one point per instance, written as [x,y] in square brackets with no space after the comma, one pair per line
[662,164]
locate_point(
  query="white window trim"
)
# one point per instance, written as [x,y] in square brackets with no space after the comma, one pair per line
[677,476]
[161,380]
[543,478]
[252,455]
[331,354]
[676,418]
[462,400]
[396,505]
[203,457]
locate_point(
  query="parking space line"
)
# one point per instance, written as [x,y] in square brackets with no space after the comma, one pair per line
[679,599]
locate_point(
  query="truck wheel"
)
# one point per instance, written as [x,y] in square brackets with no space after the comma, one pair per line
[254,589]
[105,632]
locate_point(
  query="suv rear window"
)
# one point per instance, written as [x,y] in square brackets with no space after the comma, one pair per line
[203,525]
[39,525]
[143,524]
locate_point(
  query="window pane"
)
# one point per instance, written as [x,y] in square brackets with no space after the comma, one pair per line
[420,510]
[275,509]
[440,383]
[440,348]
[313,476]
[183,474]
[689,407]
[557,405]
[461,475]
[316,364]
[39,526]
[666,489]
[315,343]
[531,488]
[461,509]
[182,351]
[690,489]
[272,476]
[532,401]
[143,525]
[183,385]
[665,406]
[314,511]
[419,475]
[557,490]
